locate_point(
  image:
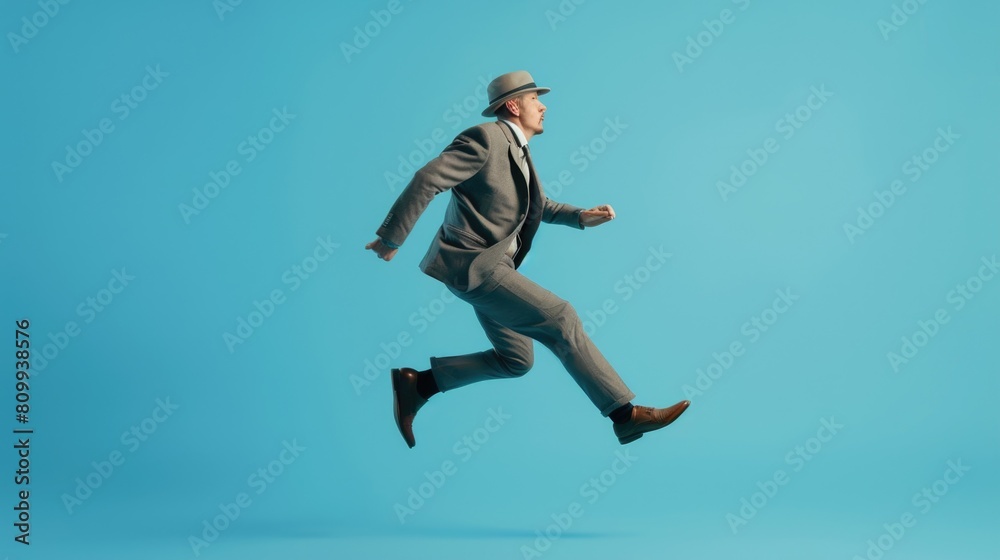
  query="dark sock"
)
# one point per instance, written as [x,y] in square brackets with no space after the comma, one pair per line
[426,386]
[621,414]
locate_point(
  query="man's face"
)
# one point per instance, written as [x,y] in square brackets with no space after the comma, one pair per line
[532,112]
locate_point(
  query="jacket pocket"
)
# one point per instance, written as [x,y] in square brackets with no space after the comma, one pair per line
[467,236]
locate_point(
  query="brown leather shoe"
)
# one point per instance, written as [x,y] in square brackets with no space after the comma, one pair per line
[405,401]
[645,419]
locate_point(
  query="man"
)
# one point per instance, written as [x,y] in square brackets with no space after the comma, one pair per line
[496,206]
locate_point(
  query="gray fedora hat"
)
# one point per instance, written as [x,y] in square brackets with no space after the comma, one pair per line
[511,84]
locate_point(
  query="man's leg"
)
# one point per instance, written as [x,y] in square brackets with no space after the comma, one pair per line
[526,310]
[513,310]
[512,356]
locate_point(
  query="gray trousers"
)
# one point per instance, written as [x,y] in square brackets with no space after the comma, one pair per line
[514,310]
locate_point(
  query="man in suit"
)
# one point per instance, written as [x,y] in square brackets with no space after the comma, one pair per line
[496,206]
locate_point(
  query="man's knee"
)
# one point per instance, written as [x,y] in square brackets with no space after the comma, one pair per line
[517,364]
[567,320]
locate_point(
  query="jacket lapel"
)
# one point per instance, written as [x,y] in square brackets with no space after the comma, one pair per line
[514,153]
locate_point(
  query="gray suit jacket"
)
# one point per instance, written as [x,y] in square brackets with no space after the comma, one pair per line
[488,205]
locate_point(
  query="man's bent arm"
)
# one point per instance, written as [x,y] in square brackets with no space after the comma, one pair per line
[462,159]
[561,213]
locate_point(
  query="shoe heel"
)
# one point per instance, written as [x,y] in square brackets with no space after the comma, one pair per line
[629,439]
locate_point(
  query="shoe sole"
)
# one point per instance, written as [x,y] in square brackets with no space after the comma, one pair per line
[395,404]
[629,439]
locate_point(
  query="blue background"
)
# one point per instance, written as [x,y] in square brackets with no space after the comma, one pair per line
[301,378]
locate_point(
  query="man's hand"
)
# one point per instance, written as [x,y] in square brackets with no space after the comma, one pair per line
[382,250]
[597,215]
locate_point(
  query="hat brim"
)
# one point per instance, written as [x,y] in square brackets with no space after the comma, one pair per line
[491,110]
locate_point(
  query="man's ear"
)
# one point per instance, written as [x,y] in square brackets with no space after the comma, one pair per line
[514,106]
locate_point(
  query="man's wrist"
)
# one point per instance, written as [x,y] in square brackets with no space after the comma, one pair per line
[388,243]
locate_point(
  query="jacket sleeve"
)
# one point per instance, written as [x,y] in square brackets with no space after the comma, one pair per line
[560,213]
[462,159]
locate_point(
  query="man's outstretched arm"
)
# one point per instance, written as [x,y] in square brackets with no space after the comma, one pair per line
[565,214]
[462,159]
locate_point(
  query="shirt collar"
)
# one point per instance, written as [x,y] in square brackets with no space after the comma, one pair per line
[521,140]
